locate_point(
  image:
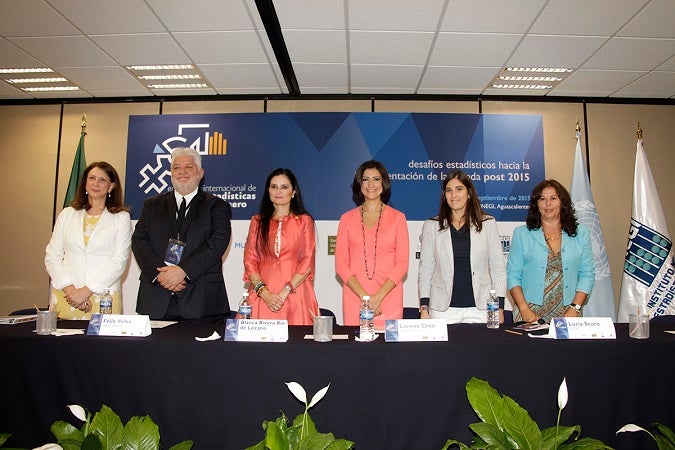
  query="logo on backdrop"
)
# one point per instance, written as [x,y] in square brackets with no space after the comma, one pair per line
[646,253]
[156,176]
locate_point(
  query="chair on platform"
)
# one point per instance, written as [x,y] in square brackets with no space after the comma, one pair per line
[411,313]
[326,312]
[25,312]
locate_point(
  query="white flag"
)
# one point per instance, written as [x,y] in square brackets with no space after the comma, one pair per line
[649,269]
[601,301]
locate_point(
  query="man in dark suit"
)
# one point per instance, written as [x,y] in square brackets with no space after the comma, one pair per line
[179,242]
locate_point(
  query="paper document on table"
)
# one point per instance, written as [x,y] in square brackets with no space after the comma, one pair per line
[11,320]
[161,323]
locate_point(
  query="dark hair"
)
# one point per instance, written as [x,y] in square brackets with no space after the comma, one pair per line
[474,212]
[266,211]
[357,195]
[114,203]
[568,218]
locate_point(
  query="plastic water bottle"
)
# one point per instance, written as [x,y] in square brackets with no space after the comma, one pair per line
[366,320]
[106,302]
[493,310]
[245,308]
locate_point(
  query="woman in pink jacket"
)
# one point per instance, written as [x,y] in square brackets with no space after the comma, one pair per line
[371,252]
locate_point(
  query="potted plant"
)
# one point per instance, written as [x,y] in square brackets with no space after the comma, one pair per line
[302,433]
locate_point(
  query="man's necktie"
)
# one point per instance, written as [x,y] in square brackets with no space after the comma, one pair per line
[181,213]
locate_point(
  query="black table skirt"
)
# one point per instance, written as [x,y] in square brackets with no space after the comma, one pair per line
[382,395]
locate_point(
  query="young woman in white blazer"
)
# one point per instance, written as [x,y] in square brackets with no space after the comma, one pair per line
[90,245]
[461,257]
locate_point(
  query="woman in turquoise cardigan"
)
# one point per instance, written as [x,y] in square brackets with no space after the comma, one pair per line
[550,270]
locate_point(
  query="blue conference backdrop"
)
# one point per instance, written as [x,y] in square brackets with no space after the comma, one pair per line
[504,155]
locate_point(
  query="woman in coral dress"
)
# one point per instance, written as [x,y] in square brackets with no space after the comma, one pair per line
[371,252]
[279,254]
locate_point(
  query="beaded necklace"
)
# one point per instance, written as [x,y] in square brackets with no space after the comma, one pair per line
[363,231]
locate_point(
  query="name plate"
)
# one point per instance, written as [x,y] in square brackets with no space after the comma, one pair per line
[411,330]
[256,330]
[119,325]
[582,328]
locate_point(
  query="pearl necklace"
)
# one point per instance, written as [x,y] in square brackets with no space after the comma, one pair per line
[363,231]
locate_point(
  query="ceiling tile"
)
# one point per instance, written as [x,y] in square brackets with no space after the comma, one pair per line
[657,19]
[514,16]
[668,65]
[599,17]
[13,56]
[108,17]
[311,14]
[384,76]
[449,91]
[32,18]
[652,85]
[385,47]
[65,51]
[473,49]
[597,80]
[218,47]
[162,92]
[516,92]
[142,49]
[394,15]
[321,75]
[242,76]
[632,54]
[93,78]
[555,51]
[122,93]
[316,46]
[203,15]
[458,77]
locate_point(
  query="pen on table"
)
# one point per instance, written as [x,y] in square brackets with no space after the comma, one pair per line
[514,332]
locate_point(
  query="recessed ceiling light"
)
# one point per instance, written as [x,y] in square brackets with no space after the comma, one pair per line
[170,77]
[521,86]
[178,86]
[28,70]
[538,69]
[161,67]
[36,80]
[506,78]
[51,88]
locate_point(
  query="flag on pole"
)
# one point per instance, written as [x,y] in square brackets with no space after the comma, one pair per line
[79,165]
[648,284]
[601,301]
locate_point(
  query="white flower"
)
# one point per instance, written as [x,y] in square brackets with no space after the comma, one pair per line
[631,427]
[299,393]
[49,447]
[562,394]
[78,412]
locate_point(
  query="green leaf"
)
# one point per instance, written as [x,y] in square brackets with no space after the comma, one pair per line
[549,438]
[293,435]
[585,444]
[185,445]
[140,433]
[315,441]
[92,442]
[665,431]
[519,426]
[450,442]
[485,400]
[65,432]
[109,428]
[340,444]
[490,433]
[275,439]
[662,443]
[4,437]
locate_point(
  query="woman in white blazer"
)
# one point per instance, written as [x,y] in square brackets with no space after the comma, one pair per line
[90,244]
[461,257]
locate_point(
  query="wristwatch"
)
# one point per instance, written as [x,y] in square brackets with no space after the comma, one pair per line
[575,307]
[424,308]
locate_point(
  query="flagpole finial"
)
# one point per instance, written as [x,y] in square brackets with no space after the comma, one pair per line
[577,130]
[639,132]
[84,123]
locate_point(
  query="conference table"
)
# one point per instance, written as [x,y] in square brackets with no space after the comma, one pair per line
[382,395]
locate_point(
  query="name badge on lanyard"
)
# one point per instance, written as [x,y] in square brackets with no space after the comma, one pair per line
[174,252]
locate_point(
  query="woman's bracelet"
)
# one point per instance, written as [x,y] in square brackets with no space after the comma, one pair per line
[290,287]
[259,287]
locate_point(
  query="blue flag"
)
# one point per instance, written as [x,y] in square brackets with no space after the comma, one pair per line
[601,301]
